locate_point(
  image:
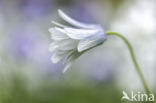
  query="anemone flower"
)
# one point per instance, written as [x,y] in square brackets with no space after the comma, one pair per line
[69,42]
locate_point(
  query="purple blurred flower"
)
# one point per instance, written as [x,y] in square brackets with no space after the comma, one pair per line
[28,44]
[34,9]
[82,11]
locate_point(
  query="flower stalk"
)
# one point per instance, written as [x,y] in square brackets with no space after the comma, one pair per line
[109,33]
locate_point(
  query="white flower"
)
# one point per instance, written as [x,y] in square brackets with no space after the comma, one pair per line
[70,42]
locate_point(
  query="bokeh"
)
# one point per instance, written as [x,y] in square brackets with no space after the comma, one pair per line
[27,74]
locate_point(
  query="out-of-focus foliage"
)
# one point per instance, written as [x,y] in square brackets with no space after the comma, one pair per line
[63,91]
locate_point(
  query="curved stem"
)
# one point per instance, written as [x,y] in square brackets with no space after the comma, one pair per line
[133,59]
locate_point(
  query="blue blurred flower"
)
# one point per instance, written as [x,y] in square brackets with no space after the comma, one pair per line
[29,45]
[83,11]
[35,9]
[71,42]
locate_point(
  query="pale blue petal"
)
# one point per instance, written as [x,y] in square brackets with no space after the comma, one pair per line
[70,58]
[90,42]
[80,33]
[58,24]
[58,55]
[66,67]
[60,29]
[57,34]
[67,44]
[53,46]
[74,22]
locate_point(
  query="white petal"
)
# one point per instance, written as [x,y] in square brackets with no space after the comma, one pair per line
[74,22]
[61,30]
[71,57]
[80,33]
[57,34]
[68,44]
[66,67]
[53,46]
[58,24]
[58,55]
[90,42]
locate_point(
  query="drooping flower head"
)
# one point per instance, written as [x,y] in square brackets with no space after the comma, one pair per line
[70,42]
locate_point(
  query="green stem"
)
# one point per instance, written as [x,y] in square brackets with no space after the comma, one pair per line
[133,59]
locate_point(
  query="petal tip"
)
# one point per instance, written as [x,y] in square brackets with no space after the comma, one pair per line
[53,22]
[53,60]
[60,11]
[79,49]
[50,30]
[66,68]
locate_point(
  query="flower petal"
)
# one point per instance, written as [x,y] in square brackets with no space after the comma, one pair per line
[67,44]
[74,22]
[53,46]
[80,33]
[58,55]
[58,24]
[90,42]
[57,34]
[66,67]
[70,58]
[73,55]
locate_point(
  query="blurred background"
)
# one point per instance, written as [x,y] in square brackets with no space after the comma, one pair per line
[99,76]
